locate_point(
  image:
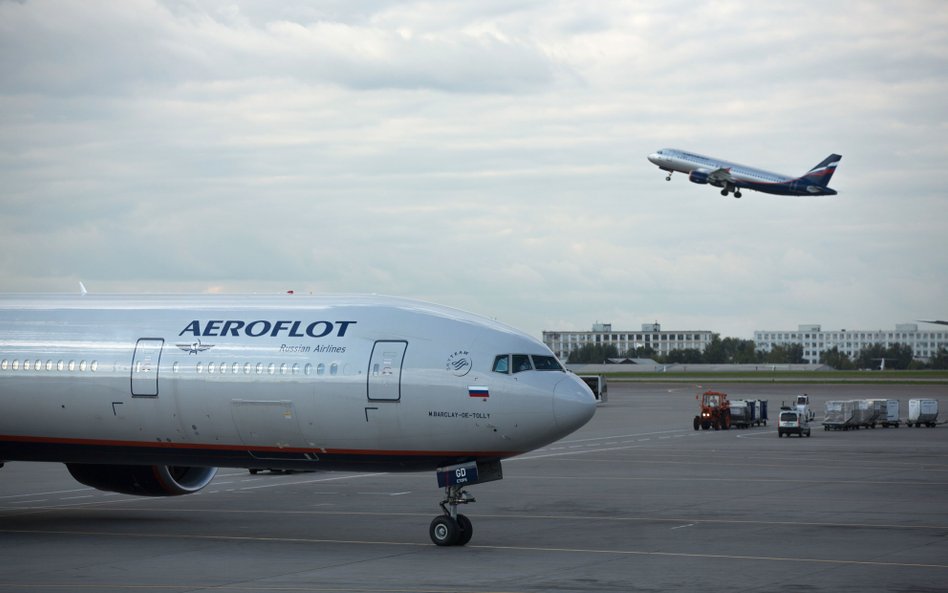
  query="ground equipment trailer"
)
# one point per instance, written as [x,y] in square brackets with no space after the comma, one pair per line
[840,415]
[714,412]
[741,414]
[890,413]
[758,411]
[923,411]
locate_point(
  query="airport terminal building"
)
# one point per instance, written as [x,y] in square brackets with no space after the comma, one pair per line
[562,343]
[925,343]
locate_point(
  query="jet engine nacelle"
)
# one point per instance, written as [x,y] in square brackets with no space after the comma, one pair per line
[143,480]
[698,176]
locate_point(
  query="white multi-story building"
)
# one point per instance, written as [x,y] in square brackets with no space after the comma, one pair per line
[925,343]
[602,334]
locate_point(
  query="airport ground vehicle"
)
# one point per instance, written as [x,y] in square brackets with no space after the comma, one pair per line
[803,406]
[793,422]
[714,412]
[923,411]
[598,385]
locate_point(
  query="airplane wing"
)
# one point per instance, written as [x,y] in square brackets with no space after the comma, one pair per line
[721,175]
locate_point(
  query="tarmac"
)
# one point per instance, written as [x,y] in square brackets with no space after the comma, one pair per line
[635,501]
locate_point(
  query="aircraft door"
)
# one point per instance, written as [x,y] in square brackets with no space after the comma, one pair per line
[385,370]
[145,363]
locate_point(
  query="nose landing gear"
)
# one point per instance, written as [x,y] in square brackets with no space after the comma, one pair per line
[451,528]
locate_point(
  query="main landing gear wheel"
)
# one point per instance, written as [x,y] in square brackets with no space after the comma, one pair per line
[737,193]
[724,192]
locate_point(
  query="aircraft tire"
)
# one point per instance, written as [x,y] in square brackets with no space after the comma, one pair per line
[467,529]
[444,531]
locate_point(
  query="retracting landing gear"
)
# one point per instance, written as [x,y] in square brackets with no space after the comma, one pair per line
[731,188]
[669,176]
[451,528]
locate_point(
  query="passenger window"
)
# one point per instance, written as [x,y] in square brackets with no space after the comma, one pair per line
[502,364]
[521,362]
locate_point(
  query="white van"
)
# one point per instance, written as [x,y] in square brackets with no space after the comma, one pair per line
[793,422]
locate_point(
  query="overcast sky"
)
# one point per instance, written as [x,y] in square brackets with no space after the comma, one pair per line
[485,155]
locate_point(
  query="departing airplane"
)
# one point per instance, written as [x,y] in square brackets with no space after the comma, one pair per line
[732,177]
[148,395]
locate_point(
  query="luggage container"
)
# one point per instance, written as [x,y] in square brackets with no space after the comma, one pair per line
[840,415]
[869,412]
[891,417]
[923,411]
[740,413]
[761,412]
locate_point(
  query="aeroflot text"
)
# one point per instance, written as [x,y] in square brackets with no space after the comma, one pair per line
[262,327]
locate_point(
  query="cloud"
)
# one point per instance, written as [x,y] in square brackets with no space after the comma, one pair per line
[487,155]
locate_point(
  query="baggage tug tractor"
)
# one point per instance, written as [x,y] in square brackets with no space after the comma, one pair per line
[715,411]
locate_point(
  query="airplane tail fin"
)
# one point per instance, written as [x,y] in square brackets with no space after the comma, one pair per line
[822,173]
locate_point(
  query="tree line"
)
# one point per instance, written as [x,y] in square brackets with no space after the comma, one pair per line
[740,351]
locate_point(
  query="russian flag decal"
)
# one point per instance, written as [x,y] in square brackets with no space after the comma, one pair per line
[478,391]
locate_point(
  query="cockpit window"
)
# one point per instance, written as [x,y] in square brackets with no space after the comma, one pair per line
[521,362]
[502,364]
[546,363]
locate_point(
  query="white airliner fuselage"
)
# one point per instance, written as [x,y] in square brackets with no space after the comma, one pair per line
[146,395]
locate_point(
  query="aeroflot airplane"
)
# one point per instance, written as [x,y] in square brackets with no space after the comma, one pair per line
[149,395]
[731,177]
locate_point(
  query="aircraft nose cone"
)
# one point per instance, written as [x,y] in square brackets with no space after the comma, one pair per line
[654,158]
[573,403]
